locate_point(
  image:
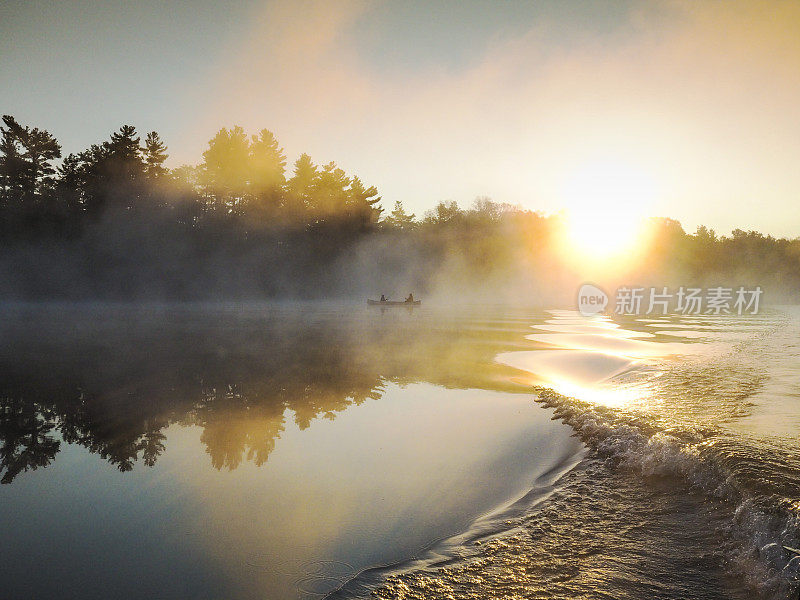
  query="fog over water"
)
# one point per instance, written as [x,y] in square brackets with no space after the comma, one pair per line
[249,451]
[112,223]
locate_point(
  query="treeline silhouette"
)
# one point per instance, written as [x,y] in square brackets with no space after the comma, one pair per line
[112,222]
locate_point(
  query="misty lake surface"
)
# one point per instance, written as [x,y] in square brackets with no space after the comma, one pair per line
[311,451]
[252,452]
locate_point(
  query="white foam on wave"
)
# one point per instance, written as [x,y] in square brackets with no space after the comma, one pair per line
[760,526]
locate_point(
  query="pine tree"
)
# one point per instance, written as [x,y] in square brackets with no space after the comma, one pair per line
[155,153]
[70,182]
[226,168]
[88,173]
[124,154]
[364,201]
[267,173]
[330,197]
[12,167]
[399,219]
[267,162]
[26,156]
[116,170]
[300,187]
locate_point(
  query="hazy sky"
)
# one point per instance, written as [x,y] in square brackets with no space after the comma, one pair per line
[691,109]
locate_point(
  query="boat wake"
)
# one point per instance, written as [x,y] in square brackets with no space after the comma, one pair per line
[675,499]
[761,522]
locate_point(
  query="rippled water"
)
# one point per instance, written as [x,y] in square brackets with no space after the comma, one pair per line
[690,489]
[305,452]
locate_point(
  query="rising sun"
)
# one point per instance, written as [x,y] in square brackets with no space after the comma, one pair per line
[606,203]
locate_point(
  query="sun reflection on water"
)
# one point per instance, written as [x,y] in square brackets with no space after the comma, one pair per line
[593,359]
[614,397]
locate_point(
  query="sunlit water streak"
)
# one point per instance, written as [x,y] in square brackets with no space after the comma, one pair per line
[692,482]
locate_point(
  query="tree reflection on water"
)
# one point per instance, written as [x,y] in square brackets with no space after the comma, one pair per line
[113,379]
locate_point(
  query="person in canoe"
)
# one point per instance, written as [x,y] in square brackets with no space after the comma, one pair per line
[383,298]
[410,298]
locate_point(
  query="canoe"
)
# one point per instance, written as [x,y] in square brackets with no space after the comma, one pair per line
[393,303]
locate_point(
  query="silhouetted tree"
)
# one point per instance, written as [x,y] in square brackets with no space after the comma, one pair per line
[234,225]
[112,174]
[26,156]
[300,187]
[155,153]
[125,168]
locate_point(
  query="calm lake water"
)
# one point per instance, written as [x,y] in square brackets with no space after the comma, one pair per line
[304,452]
[253,452]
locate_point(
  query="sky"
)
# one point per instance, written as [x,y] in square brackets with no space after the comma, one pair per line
[688,110]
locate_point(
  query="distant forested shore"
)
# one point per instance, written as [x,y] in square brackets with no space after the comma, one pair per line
[113,223]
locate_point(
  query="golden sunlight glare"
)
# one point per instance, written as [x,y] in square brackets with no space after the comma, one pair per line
[607,202]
